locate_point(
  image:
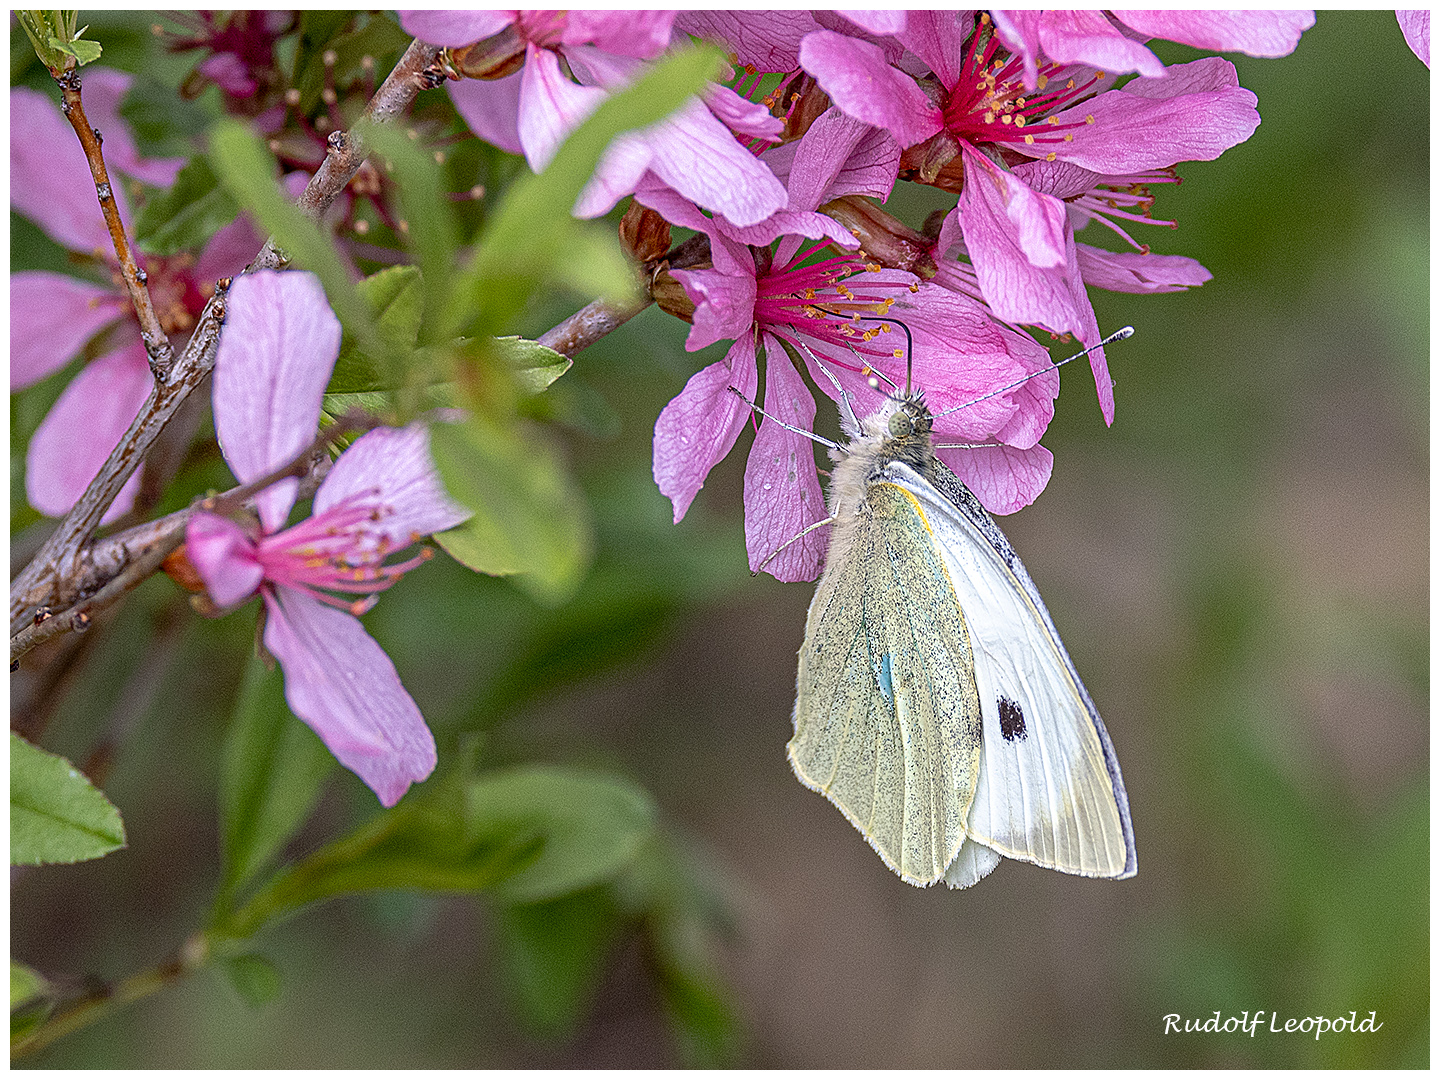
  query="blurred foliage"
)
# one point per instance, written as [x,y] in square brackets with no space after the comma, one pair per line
[1231,546]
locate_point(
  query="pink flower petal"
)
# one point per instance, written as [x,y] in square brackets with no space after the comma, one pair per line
[82,428]
[1133,272]
[862,83]
[52,316]
[837,156]
[1136,128]
[454,28]
[741,116]
[768,41]
[394,463]
[724,297]
[223,554]
[939,39]
[50,179]
[697,156]
[782,487]
[276,354]
[627,33]
[1255,33]
[1415,26]
[491,109]
[1088,37]
[1003,478]
[698,428]
[877,21]
[551,106]
[340,682]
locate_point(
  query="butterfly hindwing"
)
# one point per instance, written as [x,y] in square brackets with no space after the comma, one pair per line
[888,721]
[1049,788]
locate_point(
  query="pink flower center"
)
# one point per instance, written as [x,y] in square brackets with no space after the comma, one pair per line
[339,549]
[988,102]
[825,301]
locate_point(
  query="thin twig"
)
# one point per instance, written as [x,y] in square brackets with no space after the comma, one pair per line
[589,325]
[157,343]
[52,577]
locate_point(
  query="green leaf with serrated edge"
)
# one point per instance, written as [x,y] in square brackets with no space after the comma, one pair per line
[530,235]
[247,169]
[552,954]
[56,815]
[25,984]
[253,977]
[393,296]
[592,825]
[84,51]
[535,366]
[271,772]
[188,214]
[430,236]
[528,517]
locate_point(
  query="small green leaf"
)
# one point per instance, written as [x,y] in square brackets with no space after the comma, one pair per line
[552,955]
[270,776]
[393,296]
[25,984]
[194,209]
[528,517]
[163,123]
[535,366]
[84,51]
[56,815]
[254,978]
[591,824]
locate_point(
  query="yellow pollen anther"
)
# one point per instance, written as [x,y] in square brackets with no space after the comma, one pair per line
[914,287]
[874,268]
[1043,81]
[1050,156]
[1089,119]
[1007,119]
[1029,140]
[1019,121]
[1069,137]
[1069,84]
[898,353]
[1053,121]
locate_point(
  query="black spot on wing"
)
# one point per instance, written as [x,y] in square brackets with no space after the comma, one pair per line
[1012,720]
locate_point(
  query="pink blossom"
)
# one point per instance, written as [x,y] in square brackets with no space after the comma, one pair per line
[54,316]
[1415,25]
[1019,236]
[533,110]
[275,358]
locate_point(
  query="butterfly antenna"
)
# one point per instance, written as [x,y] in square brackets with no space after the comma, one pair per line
[909,347]
[788,427]
[847,410]
[1119,335]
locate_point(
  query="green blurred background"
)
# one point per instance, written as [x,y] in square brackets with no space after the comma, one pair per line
[1239,567]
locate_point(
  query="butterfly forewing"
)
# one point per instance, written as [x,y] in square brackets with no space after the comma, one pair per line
[888,721]
[1049,788]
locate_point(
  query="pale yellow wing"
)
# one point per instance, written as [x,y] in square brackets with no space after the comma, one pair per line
[887,716]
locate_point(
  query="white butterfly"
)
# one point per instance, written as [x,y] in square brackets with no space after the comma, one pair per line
[936,706]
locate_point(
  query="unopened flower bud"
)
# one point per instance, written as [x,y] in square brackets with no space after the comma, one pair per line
[644,234]
[497,56]
[883,239]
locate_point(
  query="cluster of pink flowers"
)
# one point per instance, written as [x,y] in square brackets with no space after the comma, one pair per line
[1021,114]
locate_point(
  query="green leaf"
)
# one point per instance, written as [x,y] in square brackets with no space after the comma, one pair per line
[552,954]
[186,216]
[56,815]
[247,169]
[394,299]
[591,825]
[533,236]
[254,978]
[84,51]
[271,773]
[380,39]
[529,834]
[163,123]
[535,366]
[25,984]
[529,518]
